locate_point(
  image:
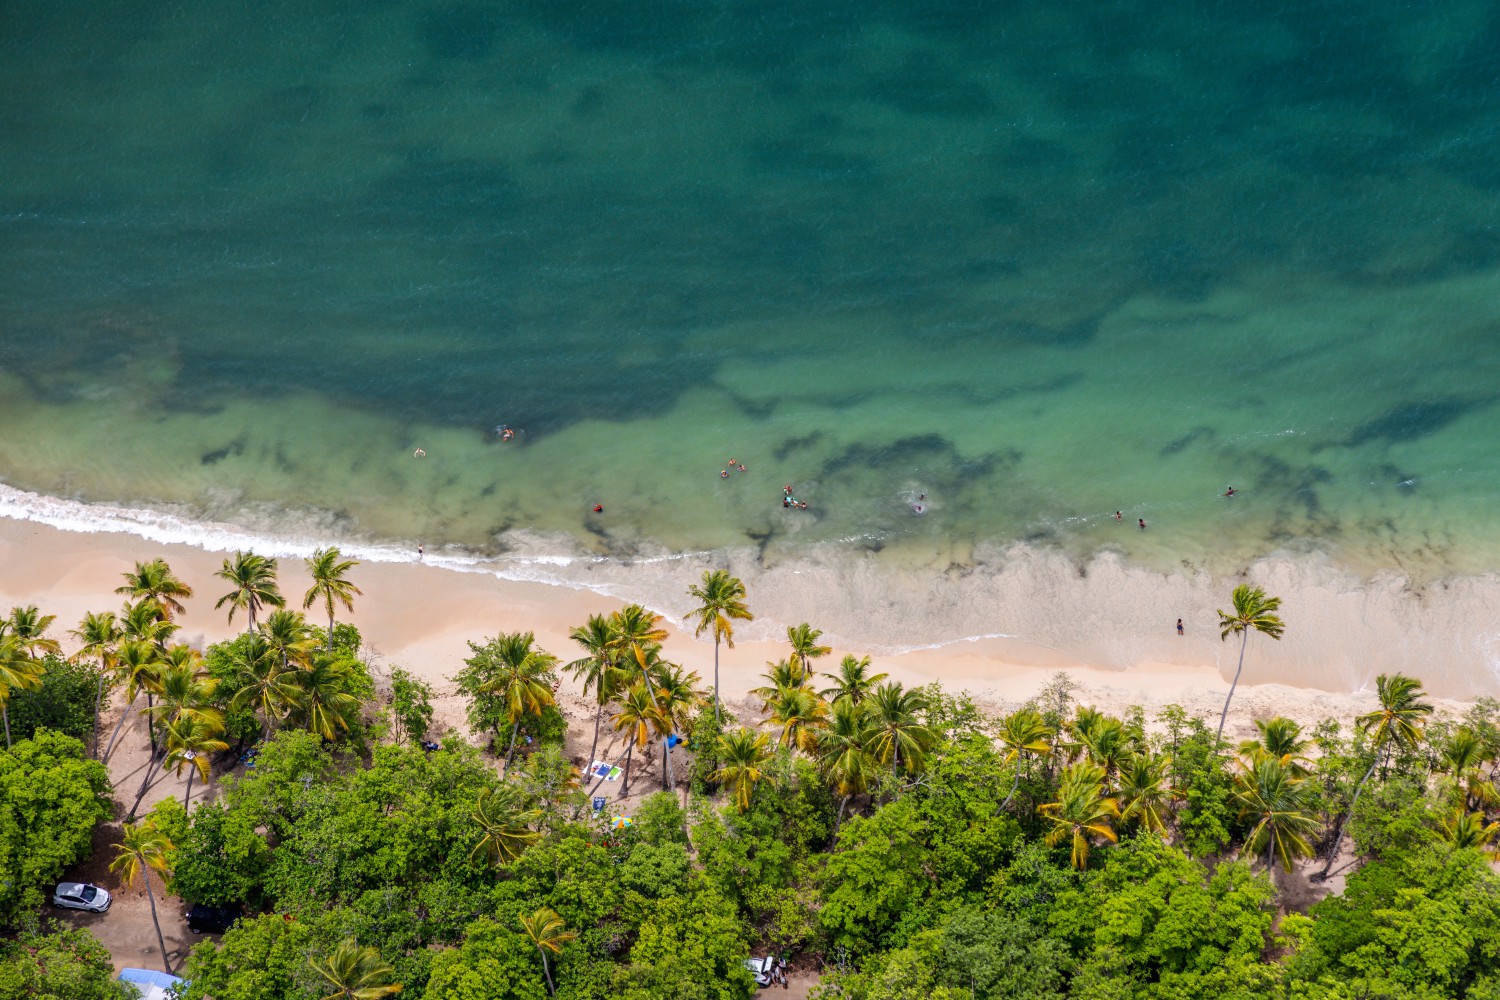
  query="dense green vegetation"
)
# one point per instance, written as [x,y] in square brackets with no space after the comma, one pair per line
[897,842]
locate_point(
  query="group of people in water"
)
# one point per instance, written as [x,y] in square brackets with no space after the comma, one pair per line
[1141,521]
[787,500]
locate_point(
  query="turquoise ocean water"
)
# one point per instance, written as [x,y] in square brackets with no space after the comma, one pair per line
[1040,262]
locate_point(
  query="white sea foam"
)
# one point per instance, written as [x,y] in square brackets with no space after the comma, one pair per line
[1105,611]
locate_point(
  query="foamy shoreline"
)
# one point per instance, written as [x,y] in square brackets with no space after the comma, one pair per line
[999,627]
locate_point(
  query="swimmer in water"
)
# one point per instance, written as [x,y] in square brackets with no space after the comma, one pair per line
[1119,516]
[598,508]
[1229,492]
[419,453]
[506,433]
[723,473]
[1142,523]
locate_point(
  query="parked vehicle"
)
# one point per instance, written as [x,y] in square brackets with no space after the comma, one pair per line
[761,967]
[80,896]
[202,919]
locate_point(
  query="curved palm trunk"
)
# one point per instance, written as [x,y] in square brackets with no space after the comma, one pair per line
[187,796]
[5,715]
[1338,829]
[1244,638]
[160,941]
[716,678]
[151,773]
[1014,784]
[625,781]
[98,705]
[598,717]
[551,990]
[118,727]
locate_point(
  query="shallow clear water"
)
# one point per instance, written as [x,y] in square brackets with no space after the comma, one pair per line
[1037,261]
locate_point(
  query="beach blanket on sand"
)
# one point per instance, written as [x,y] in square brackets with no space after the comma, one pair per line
[605,770]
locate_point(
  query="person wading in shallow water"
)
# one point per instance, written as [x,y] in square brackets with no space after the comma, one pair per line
[1142,523]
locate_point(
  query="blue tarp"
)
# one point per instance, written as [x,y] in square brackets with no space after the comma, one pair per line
[151,985]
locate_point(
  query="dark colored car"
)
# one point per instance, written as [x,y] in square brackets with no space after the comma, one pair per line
[203,919]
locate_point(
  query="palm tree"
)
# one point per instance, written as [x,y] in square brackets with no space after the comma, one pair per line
[742,757]
[1463,755]
[1253,610]
[1269,793]
[186,694]
[263,681]
[638,718]
[137,663]
[1082,811]
[1146,792]
[328,567]
[190,740]
[1280,738]
[156,580]
[1397,722]
[805,646]
[144,849]
[356,973]
[637,649]
[147,621]
[800,713]
[18,672]
[896,731]
[853,682]
[504,826]
[1465,829]
[1107,743]
[253,578]
[781,675]
[597,669]
[323,701]
[28,626]
[287,637]
[842,753]
[546,930]
[1023,734]
[99,635]
[678,693]
[721,603]
[521,680]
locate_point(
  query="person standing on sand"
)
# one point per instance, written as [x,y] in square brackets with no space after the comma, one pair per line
[1179,626]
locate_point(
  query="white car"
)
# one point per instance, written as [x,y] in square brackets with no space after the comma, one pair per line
[79,896]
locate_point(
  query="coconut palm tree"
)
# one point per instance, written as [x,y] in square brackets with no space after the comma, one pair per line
[1464,829]
[678,693]
[1107,743]
[545,929]
[742,757]
[800,713]
[99,638]
[522,678]
[781,675]
[155,580]
[328,569]
[28,626]
[1024,735]
[721,602]
[18,672]
[1397,722]
[1253,611]
[185,693]
[287,637]
[896,732]
[1082,811]
[504,826]
[597,669]
[324,704]
[264,681]
[147,621]
[805,646]
[1270,794]
[253,579]
[144,849]
[639,717]
[1280,738]
[842,754]
[853,682]
[1146,792]
[356,973]
[1463,755]
[190,741]
[137,663]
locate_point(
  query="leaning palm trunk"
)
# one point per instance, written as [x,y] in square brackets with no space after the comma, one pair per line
[625,783]
[151,723]
[598,717]
[511,749]
[118,727]
[1014,784]
[151,773]
[716,677]
[5,714]
[160,941]
[551,990]
[1338,828]
[1244,638]
[98,707]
